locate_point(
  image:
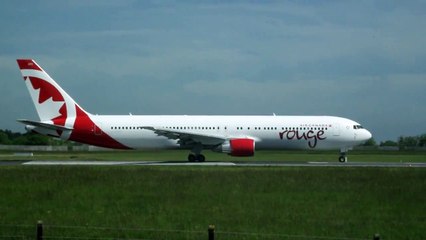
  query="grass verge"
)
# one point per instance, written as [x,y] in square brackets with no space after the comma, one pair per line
[181,155]
[144,202]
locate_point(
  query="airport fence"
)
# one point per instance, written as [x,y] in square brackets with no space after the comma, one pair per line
[41,231]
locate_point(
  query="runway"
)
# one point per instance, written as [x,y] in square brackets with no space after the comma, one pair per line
[215,163]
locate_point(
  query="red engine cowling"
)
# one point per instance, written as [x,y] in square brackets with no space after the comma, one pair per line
[239,147]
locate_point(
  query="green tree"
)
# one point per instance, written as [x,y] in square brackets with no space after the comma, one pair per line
[370,142]
[407,141]
[4,138]
[36,139]
[22,140]
[389,143]
[12,135]
[422,140]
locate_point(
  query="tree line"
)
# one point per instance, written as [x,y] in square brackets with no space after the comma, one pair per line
[402,142]
[7,137]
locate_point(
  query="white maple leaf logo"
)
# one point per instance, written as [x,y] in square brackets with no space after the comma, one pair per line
[48,100]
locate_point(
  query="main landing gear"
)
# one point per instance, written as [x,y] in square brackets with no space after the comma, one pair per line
[196,155]
[196,158]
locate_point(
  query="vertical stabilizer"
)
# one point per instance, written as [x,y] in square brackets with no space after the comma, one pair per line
[53,104]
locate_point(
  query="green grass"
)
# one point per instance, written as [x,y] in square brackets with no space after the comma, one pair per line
[327,202]
[166,155]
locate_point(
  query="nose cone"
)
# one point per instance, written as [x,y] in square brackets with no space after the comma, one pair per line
[366,135]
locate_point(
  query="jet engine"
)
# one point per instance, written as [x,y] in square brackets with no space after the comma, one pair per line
[238,147]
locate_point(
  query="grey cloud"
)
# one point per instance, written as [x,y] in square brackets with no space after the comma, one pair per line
[359,59]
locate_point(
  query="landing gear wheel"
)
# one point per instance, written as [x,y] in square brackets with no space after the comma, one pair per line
[191,158]
[201,158]
[196,158]
[343,159]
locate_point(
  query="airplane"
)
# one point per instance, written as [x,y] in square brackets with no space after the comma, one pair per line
[61,117]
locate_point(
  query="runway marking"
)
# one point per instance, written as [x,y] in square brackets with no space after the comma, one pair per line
[125,163]
[236,164]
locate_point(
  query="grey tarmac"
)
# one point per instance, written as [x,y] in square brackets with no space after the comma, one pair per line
[215,163]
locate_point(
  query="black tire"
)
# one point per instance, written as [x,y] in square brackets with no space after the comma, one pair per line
[191,158]
[201,158]
[342,159]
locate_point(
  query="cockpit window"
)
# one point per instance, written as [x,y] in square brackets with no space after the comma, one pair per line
[358,127]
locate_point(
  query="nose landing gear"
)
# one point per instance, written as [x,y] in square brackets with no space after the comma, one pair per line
[343,158]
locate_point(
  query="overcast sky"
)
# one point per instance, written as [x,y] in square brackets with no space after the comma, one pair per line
[364,60]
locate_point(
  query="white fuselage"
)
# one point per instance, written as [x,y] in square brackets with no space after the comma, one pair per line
[269,132]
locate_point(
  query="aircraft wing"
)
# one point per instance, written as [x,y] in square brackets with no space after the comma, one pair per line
[186,138]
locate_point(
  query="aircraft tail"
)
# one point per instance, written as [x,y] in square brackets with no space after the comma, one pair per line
[54,106]
[60,116]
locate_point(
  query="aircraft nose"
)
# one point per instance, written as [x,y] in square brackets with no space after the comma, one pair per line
[367,135]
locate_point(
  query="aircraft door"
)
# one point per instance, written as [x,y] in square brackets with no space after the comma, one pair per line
[336,129]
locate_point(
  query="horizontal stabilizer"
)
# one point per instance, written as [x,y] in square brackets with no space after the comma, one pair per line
[44,125]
